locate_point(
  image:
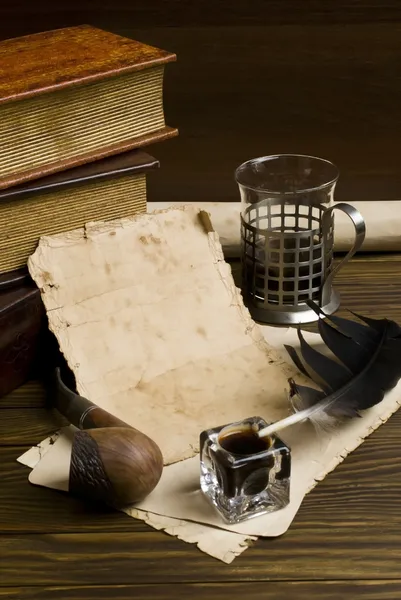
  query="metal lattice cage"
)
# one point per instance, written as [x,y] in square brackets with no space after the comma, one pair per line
[286,252]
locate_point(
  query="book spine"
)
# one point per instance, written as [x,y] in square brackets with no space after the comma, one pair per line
[22,324]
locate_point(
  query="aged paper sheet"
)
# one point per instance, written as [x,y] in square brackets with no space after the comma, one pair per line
[147,315]
[178,494]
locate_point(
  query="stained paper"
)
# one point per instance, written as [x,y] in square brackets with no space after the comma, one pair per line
[147,315]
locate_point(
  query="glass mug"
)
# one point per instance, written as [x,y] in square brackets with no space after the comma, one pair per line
[287,237]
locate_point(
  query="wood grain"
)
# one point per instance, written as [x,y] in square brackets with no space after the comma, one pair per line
[325,590]
[26,508]
[241,92]
[31,394]
[184,13]
[28,426]
[355,551]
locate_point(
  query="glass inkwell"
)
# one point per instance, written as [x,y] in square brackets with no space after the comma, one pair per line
[244,475]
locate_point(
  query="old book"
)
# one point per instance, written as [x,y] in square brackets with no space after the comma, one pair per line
[107,189]
[22,330]
[74,95]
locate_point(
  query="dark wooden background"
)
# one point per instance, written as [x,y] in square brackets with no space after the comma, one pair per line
[259,77]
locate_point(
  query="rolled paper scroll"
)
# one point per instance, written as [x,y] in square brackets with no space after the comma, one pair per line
[381,217]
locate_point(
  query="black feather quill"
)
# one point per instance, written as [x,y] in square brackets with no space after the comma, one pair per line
[368,365]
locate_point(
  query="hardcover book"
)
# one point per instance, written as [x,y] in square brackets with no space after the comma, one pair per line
[103,190]
[75,95]
[23,326]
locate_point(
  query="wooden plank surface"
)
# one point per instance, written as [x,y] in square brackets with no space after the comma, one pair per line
[28,426]
[32,394]
[326,590]
[27,508]
[344,542]
[356,551]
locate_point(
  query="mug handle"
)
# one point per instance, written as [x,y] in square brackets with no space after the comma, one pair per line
[360,232]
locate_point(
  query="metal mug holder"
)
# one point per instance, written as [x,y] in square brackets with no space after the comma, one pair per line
[287,259]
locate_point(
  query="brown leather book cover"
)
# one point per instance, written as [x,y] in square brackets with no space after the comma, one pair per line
[23,325]
[72,96]
[52,60]
[111,188]
[134,161]
[86,157]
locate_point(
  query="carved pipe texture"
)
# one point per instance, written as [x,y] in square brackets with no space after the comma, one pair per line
[111,462]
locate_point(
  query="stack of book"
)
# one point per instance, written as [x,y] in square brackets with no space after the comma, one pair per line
[78,106]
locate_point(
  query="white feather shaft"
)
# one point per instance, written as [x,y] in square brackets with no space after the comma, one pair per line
[297,417]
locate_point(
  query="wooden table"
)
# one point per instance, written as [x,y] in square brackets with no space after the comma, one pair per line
[344,543]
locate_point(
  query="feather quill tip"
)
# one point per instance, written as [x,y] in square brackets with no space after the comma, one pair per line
[368,365]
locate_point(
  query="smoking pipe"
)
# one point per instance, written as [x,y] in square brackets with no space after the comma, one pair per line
[111,462]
